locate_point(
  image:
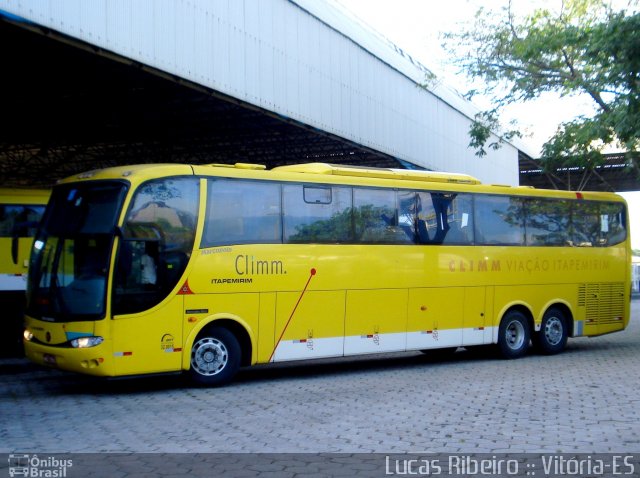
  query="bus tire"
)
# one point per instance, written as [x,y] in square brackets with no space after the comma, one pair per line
[215,357]
[553,334]
[513,335]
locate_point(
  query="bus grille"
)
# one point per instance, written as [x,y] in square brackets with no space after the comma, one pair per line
[604,302]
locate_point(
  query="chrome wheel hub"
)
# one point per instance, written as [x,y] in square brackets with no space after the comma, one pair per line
[514,335]
[553,331]
[209,356]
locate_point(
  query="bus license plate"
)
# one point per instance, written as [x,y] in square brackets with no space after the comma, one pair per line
[49,359]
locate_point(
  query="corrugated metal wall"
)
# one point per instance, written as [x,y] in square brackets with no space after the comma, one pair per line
[299,59]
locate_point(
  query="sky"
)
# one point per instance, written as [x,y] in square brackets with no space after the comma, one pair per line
[416,27]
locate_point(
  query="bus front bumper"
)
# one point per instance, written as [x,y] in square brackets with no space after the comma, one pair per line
[90,361]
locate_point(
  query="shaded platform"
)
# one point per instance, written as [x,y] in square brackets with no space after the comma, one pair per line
[68,108]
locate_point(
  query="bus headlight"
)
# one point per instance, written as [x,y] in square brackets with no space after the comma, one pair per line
[27,335]
[86,342]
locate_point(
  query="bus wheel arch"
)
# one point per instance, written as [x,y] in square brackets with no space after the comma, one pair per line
[555,329]
[241,334]
[515,331]
[218,350]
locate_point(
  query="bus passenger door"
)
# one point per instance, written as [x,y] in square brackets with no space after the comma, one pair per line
[435,318]
[155,244]
[376,321]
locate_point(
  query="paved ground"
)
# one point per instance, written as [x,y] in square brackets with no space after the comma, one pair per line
[584,400]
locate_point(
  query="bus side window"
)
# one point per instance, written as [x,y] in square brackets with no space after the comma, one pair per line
[408,215]
[156,243]
[242,212]
[585,223]
[9,217]
[500,219]
[327,220]
[612,224]
[454,218]
[19,220]
[548,222]
[376,219]
[426,218]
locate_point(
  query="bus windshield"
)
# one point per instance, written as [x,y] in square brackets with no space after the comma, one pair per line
[69,263]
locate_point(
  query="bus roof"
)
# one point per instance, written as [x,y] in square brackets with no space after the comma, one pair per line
[24,196]
[335,174]
[380,173]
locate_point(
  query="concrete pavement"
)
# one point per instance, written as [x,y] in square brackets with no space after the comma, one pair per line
[586,399]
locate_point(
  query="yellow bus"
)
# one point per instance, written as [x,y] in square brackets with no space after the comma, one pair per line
[20,212]
[204,269]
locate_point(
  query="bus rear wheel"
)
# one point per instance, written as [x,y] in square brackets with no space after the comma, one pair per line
[553,334]
[513,335]
[215,357]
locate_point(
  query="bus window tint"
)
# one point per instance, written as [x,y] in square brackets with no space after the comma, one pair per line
[19,221]
[548,222]
[327,220]
[157,240]
[454,218]
[165,210]
[375,218]
[499,220]
[612,224]
[585,224]
[408,215]
[426,219]
[242,212]
[317,194]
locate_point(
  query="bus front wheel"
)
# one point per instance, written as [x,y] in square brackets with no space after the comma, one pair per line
[513,335]
[215,357]
[553,334]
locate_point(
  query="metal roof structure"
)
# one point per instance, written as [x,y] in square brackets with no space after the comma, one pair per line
[58,119]
[95,84]
[616,174]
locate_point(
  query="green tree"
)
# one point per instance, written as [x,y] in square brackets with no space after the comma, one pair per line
[368,223]
[585,48]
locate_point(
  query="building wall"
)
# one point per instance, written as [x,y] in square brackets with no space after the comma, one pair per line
[301,59]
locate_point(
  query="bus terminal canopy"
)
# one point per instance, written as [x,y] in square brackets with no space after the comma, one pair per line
[615,174]
[70,107]
[67,109]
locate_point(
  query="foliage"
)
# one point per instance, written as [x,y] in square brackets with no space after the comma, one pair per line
[366,223]
[585,48]
[337,228]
